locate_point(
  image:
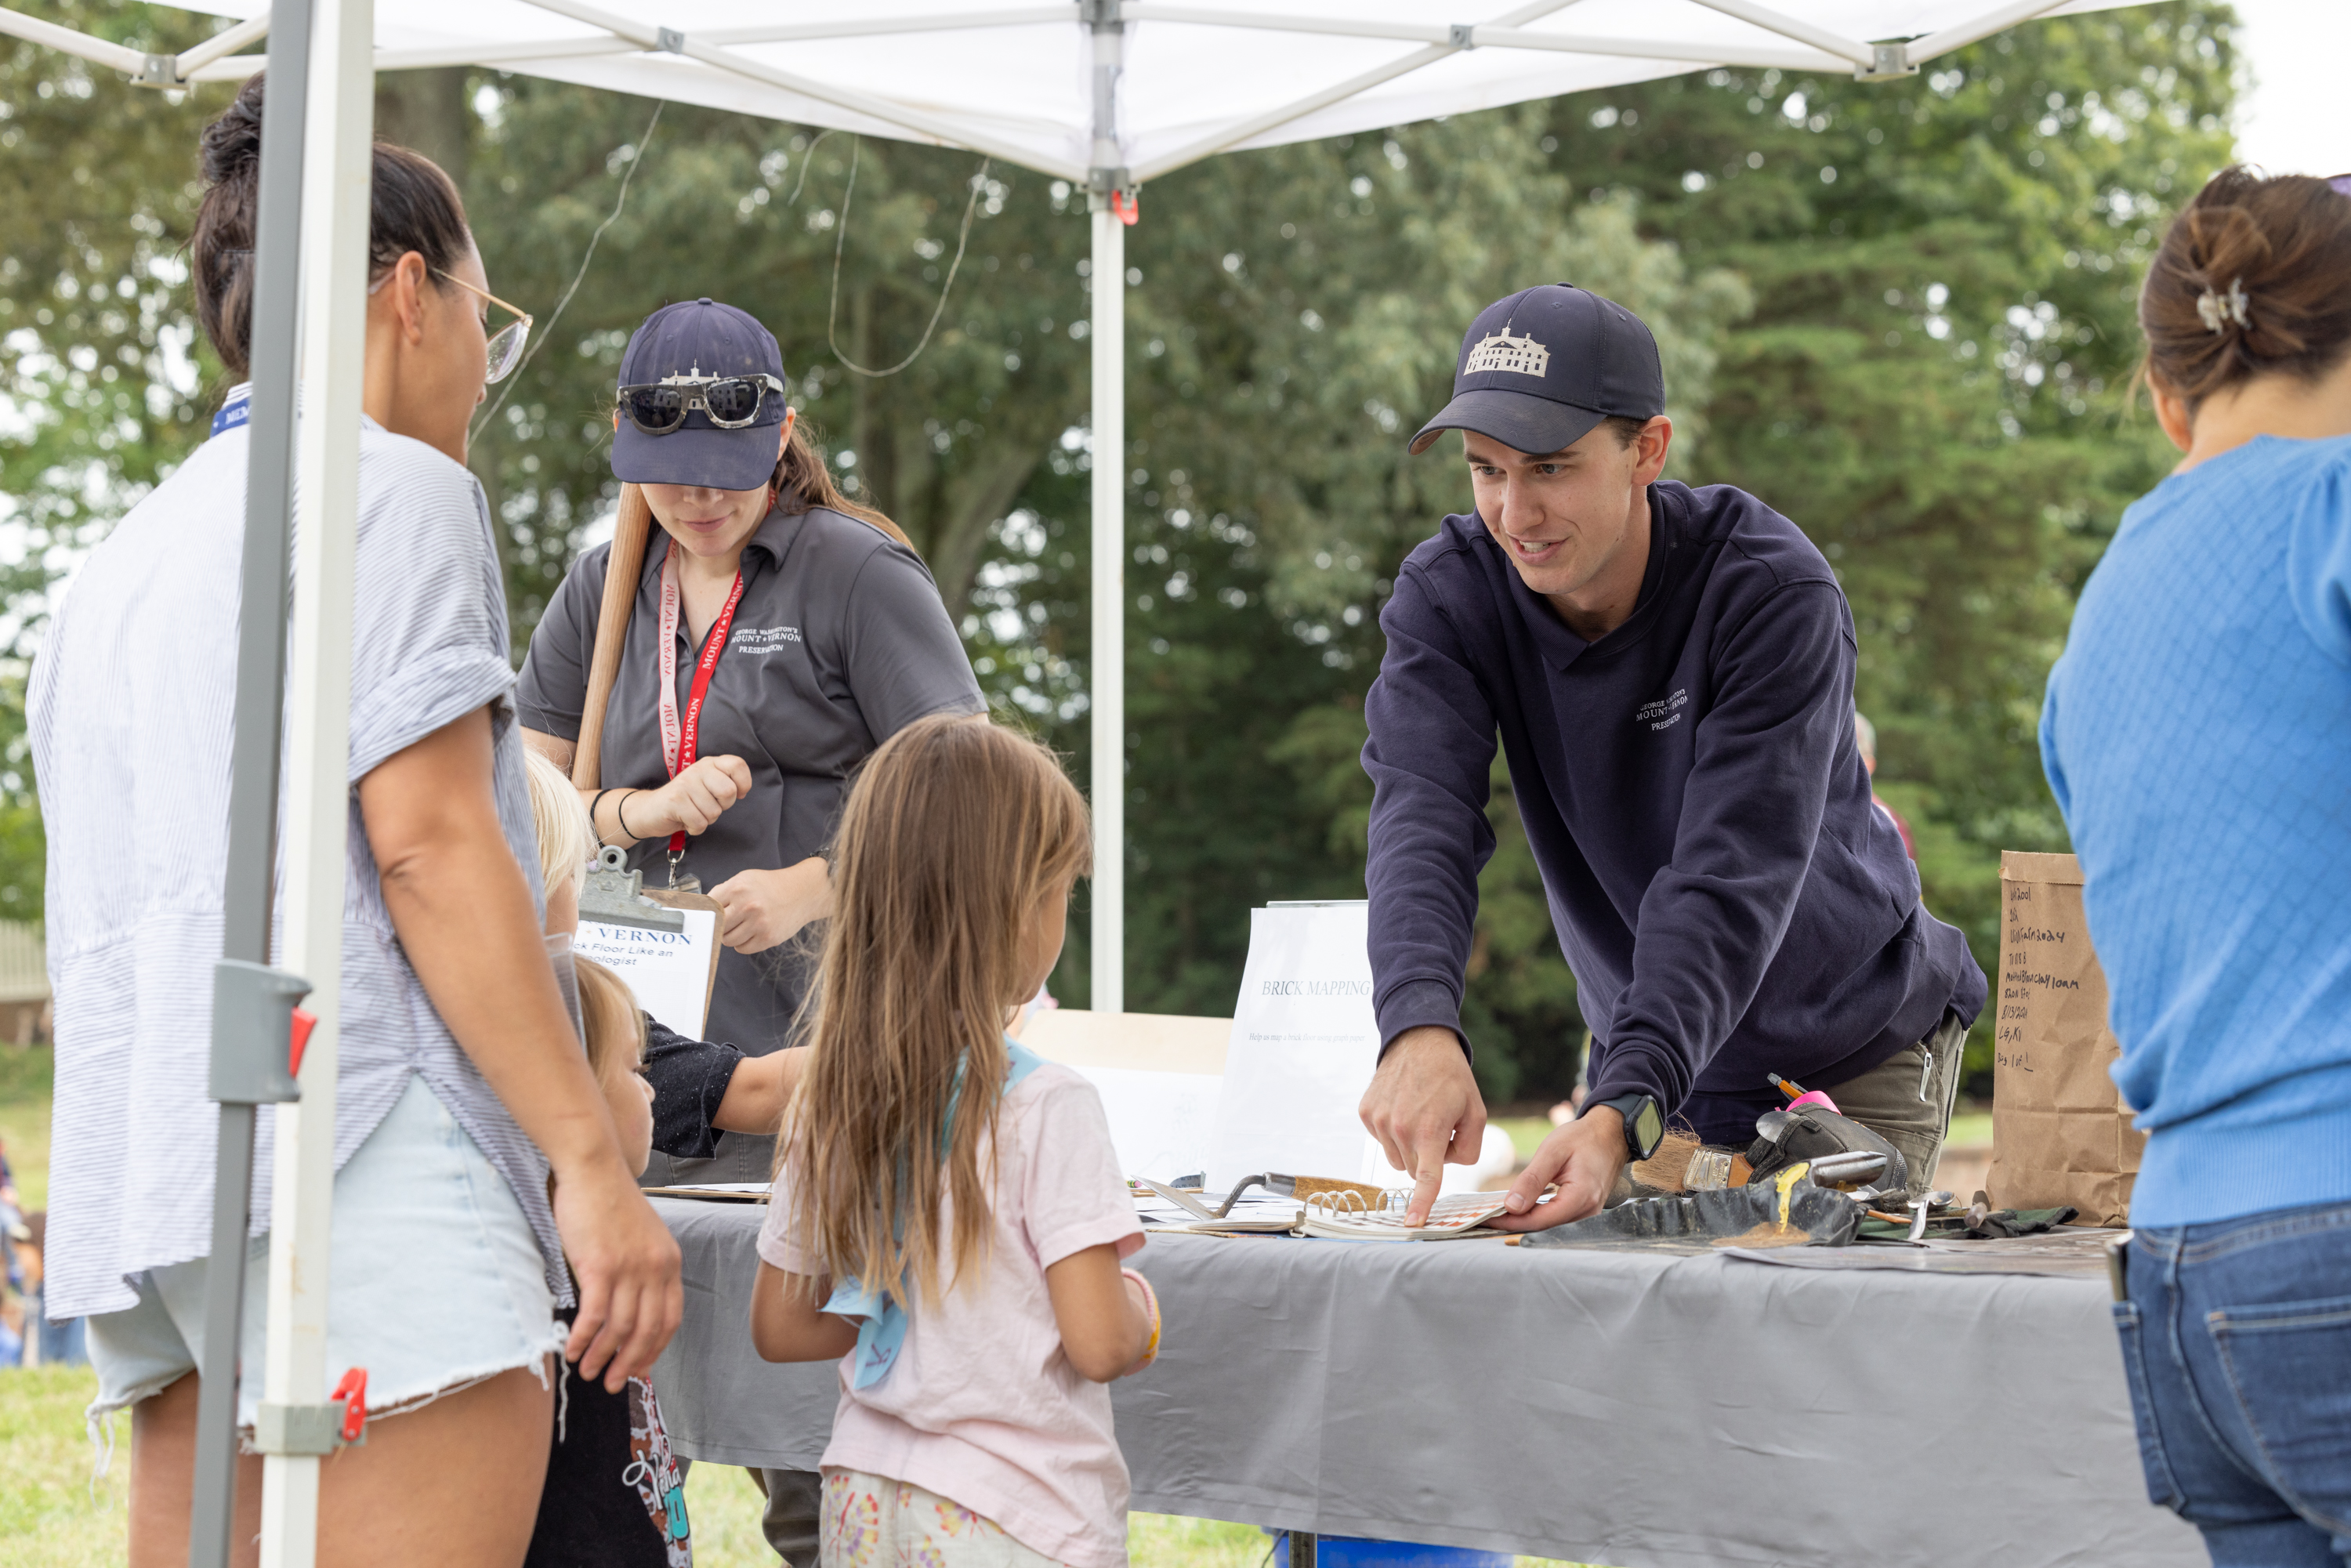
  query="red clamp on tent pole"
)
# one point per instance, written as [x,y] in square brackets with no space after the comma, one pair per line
[1128,206]
[298,1039]
[351,1395]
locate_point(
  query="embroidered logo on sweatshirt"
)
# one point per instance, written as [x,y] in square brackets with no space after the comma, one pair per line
[1665,712]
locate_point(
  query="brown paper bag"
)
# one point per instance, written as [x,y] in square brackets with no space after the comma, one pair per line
[2059,1130]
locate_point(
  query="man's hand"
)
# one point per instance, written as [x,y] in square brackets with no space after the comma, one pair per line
[690,803]
[1425,1108]
[1583,1157]
[762,908]
[626,1264]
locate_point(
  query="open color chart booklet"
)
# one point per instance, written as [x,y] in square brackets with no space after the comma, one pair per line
[1451,1218]
[1252,1214]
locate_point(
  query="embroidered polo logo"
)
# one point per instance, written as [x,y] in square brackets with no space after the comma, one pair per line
[763,638]
[1666,712]
[1520,356]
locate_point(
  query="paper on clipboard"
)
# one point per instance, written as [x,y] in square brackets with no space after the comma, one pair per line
[671,972]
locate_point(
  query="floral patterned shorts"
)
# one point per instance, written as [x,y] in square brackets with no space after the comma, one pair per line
[872,1522]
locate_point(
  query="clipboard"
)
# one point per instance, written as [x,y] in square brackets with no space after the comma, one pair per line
[673,975]
[677,898]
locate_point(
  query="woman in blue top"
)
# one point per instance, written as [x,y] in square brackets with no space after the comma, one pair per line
[2198,736]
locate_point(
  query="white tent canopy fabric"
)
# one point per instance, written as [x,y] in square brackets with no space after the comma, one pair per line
[1016,81]
[1104,93]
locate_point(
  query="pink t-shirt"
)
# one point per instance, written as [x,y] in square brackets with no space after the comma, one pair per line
[982,1407]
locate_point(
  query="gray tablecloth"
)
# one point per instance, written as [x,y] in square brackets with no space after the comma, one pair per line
[1636,1410]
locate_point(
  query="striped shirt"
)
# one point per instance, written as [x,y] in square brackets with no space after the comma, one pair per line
[130,712]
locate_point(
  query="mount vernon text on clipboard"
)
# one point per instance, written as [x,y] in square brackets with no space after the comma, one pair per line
[672,972]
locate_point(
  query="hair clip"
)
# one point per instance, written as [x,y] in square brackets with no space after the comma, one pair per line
[2219,310]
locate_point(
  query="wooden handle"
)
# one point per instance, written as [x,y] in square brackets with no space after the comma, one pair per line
[621,574]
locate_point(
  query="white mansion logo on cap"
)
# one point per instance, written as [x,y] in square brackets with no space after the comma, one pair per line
[1520,356]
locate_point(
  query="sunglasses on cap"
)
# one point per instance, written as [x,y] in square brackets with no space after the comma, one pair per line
[730,402]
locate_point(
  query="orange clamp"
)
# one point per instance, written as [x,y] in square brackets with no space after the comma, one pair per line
[299,1040]
[351,1395]
[1127,206]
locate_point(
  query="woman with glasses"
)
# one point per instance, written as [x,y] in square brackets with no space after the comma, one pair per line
[473,1149]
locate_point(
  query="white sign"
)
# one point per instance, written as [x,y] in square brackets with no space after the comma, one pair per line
[668,970]
[1303,1046]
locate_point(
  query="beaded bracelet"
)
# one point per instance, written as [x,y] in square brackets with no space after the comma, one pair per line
[1150,1345]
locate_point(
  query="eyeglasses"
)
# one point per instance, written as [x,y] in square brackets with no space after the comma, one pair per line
[507,343]
[731,402]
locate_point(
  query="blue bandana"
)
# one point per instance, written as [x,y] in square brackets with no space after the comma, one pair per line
[881,1318]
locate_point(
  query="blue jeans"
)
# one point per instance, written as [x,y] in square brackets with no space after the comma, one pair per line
[2236,1342]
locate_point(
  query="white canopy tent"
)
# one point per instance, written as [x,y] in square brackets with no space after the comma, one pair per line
[1108,94]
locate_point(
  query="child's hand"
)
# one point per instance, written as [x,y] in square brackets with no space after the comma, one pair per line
[756,1096]
[1108,1325]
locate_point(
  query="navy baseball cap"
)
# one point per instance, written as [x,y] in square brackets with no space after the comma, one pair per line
[700,337]
[1542,367]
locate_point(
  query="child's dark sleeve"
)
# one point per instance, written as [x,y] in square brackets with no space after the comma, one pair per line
[689,1078]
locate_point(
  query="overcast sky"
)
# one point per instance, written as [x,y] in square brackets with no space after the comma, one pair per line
[2294,119]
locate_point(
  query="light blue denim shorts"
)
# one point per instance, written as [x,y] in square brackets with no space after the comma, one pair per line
[434,1280]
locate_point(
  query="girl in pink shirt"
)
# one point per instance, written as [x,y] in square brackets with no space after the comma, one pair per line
[949,1217]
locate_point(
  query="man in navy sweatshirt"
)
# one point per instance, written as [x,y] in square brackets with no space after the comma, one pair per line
[1670,675]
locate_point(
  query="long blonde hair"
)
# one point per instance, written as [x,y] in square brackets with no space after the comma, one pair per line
[953,834]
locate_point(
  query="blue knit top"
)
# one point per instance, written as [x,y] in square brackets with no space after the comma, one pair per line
[2198,735]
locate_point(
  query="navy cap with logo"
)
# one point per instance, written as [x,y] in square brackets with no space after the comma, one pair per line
[697,339]
[1539,369]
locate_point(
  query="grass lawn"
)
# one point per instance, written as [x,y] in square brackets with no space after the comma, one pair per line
[25,1076]
[52,1515]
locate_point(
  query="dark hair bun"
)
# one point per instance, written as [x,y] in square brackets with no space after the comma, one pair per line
[231,143]
[413,207]
[221,251]
[2250,281]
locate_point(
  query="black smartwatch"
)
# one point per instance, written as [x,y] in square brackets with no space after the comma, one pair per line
[1644,1124]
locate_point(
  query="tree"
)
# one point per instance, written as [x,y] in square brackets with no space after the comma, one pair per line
[1901,312]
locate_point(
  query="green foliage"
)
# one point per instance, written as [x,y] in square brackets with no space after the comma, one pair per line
[751,212]
[1899,312]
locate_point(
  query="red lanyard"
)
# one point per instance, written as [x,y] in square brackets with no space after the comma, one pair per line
[678,737]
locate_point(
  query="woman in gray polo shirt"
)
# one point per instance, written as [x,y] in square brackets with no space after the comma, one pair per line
[808,627]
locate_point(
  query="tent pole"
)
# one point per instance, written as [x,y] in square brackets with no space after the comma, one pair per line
[1107,681]
[253,784]
[1109,676]
[335,203]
